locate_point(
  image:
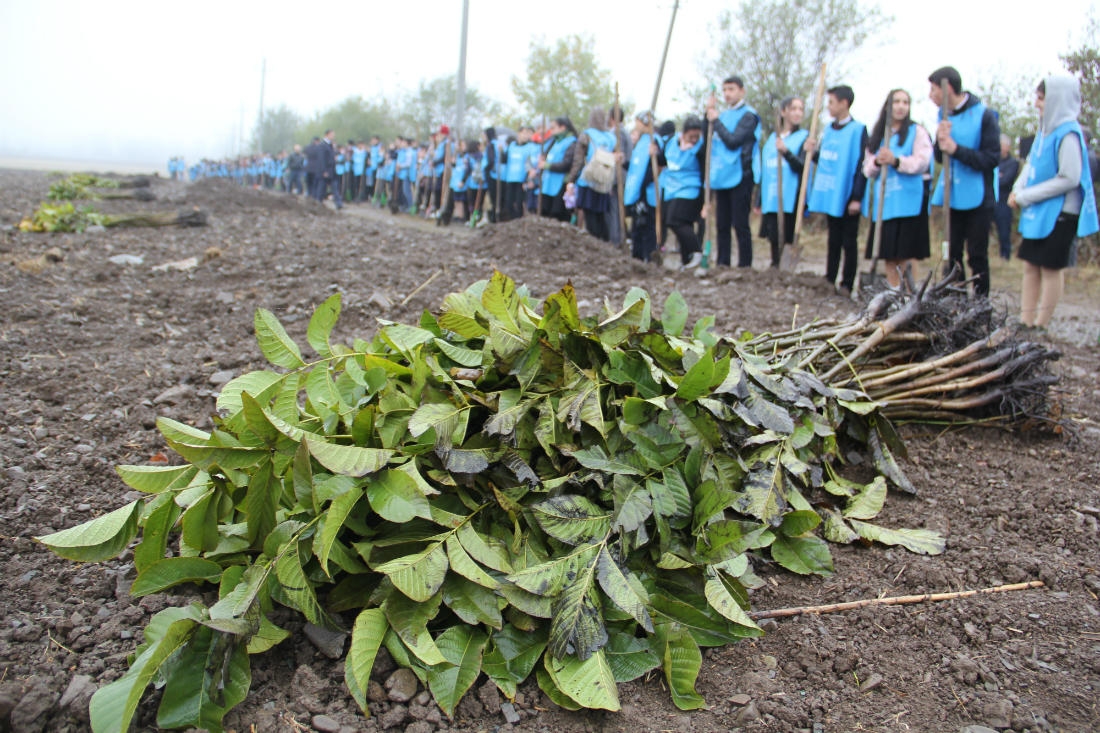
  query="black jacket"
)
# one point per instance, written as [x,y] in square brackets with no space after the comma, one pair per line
[315,162]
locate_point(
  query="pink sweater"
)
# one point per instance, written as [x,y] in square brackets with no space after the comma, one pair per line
[918,162]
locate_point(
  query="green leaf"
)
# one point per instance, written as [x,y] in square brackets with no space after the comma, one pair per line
[321,324]
[472,603]
[803,555]
[260,384]
[161,517]
[366,639]
[346,460]
[297,589]
[588,682]
[623,589]
[630,657]
[112,707]
[577,626]
[675,314]
[418,576]
[869,502]
[486,550]
[461,562]
[885,463]
[462,646]
[681,660]
[697,381]
[172,571]
[511,656]
[268,636]
[395,496]
[581,404]
[763,497]
[276,346]
[155,479]
[97,539]
[837,530]
[460,354]
[800,522]
[210,675]
[575,520]
[409,620]
[442,416]
[332,522]
[553,692]
[722,601]
[920,541]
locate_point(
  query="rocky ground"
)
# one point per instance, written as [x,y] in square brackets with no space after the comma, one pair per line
[102,332]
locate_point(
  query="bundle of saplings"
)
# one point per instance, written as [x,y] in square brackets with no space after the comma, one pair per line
[504,488]
[66,217]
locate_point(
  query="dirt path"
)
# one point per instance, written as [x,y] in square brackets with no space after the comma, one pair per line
[92,351]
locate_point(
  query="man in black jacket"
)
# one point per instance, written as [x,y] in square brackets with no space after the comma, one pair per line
[295,164]
[731,177]
[971,135]
[314,165]
[1007,171]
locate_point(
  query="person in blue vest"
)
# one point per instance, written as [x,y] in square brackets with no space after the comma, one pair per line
[458,186]
[639,190]
[901,150]
[838,185]
[555,162]
[385,176]
[972,137]
[1055,196]
[359,171]
[783,154]
[517,165]
[736,134]
[1008,170]
[374,162]
[443,147]
[682,157]
[593,202]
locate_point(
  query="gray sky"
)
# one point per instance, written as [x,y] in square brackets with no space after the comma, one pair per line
[137,82]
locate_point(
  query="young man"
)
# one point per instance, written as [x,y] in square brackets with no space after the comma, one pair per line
[736,134]
[971,135]
[838,185]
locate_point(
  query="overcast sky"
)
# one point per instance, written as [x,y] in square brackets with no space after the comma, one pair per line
[136,82]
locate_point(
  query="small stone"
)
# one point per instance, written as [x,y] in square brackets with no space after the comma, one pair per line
[224,297]
[83,448]
[393,717]
[83,507]
[33,708]
[380,299]
[402,685]
[875,680]
[770,662]
[79,692]
[510,713]
[769,625]
[220,377]
[329,643]
[419,726]
[977,729]
[375,692]
[489,695]
[174,395]
[740,699]
[998,713]
[325,724]
[125,259]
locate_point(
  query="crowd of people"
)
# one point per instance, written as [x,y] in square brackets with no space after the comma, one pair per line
[637,182]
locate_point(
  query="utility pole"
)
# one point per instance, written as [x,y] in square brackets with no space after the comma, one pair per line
[260,135]
[459,119]
[664,56]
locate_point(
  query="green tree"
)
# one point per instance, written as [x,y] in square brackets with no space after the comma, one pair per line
[562,79]
[778,46]
[356,119]
[1013,97]
[435,103]
[279,130]
[1084,63]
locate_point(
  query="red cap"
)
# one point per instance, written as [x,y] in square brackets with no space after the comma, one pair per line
[444,130]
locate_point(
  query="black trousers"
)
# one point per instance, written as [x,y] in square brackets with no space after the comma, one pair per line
[554,206]
[643,233]
[680,215]
[769,229]
[970,230]
[512,207]
[843,236]
[733,206]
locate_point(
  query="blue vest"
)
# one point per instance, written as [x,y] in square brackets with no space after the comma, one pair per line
[1037,221]
[967,184]
[683,179]
[841,153]
[904,191]
[458,173]
[725,164]
[376,156]
[358,161]
[387,170]
[552,182]
[602,139]
[769,186]
[439,157]
[635,174]
[515,170]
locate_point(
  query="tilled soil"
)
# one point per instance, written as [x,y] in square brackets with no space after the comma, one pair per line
[91,352]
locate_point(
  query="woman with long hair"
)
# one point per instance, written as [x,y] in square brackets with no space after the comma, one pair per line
[1055,197]
[901,150]
[786,144]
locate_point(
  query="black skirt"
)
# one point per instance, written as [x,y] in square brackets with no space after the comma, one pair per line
[594,201]
[1052,252]
[904,238]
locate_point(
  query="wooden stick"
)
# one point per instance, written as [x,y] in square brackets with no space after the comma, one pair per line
[892,601]
[616,113]
[780,215]
[945,109]
[656,170]
[795,251]
[708,204]
[876,246]
[422,285]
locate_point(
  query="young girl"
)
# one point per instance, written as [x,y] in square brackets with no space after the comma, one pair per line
[785,143]
[902,150]
[1055,198]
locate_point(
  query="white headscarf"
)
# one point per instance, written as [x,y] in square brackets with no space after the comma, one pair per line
[1062,102]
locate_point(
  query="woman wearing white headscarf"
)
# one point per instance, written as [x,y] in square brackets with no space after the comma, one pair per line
[1055,198]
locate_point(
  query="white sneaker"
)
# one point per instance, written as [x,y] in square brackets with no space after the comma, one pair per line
[696,258]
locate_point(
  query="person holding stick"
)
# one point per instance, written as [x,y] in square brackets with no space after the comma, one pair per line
[903,150]
[555,162]
[784,157]
[639,190]
[839,184]
[971,136]
[737,132]
[1055,196]
[516,158]
[682,181]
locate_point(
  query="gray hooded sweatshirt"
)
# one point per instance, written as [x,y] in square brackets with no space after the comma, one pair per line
[1062,104]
